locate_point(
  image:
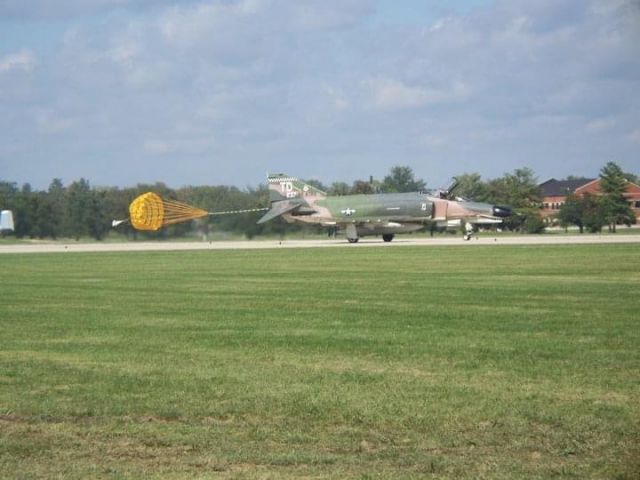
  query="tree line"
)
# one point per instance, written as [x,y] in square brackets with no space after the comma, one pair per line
[79,210]
[594,212]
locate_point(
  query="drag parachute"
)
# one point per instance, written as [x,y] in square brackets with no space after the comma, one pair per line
[150,212]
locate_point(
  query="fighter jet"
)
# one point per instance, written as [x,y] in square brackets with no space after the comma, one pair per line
[375,214]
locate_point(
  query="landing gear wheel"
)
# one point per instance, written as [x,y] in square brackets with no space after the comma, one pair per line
[387,237]
[468,231]
[353,240]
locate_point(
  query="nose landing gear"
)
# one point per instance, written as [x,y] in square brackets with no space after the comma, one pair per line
[468,231]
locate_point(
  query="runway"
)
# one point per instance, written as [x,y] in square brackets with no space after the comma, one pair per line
[398,242]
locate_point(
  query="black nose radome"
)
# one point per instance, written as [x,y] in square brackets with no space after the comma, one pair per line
[501,212]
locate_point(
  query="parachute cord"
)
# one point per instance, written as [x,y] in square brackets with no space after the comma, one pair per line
[231,212]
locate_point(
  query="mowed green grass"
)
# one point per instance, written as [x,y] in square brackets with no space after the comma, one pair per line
[442,362]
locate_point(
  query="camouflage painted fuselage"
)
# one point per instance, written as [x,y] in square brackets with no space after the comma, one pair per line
[377,214]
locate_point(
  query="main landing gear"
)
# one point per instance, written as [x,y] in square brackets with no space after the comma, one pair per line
[352,233]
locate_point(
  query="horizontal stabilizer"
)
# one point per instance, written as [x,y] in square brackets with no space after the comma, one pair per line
[278,208]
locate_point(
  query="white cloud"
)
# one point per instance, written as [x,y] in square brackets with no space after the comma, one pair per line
[124,52]
[600,125]
[156,147]
[392,94]
[187,25]
[43,9]
[434,141]
[134,68]
[389,94]
[634,136]
[23,60]
[177,146]
[338,98]
[329,14]
[50,122]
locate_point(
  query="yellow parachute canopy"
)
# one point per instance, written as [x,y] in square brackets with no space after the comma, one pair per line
[150,212]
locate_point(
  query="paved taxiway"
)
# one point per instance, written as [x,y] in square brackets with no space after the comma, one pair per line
[401,241]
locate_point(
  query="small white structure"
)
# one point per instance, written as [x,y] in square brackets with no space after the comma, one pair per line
[6,221]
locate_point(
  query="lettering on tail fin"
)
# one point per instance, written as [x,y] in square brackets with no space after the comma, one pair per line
[284,187]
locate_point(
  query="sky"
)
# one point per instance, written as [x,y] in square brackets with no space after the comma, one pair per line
[217,92]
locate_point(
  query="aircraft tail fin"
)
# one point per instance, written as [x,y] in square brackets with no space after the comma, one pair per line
[284,187]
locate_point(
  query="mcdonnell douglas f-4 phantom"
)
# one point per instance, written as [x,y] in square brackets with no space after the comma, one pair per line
[375,214]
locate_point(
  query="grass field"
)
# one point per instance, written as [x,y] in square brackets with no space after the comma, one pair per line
[445,362]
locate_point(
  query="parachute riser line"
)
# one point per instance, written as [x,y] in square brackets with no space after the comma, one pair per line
[232,212]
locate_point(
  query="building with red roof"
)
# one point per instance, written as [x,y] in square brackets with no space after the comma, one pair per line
[555,192]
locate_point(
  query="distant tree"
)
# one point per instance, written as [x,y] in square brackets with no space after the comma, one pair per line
[8,195]
[615,207]
[470,186]
[317,184]
[98,214]
[224,198]
[44,218]
[584,211]
[78,208]
[34,213]
[519,190]
[612,179]
[593,214]
[534,223]
[24,206]
[246,223]
[362,186]
[572,212]
[56,196]
[339,188]
[116,203]
[633,178]
[402,179]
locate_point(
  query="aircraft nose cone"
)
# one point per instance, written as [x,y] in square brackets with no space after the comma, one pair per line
[501,211]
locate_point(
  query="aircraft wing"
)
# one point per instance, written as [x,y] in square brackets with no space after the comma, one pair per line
[278,208]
